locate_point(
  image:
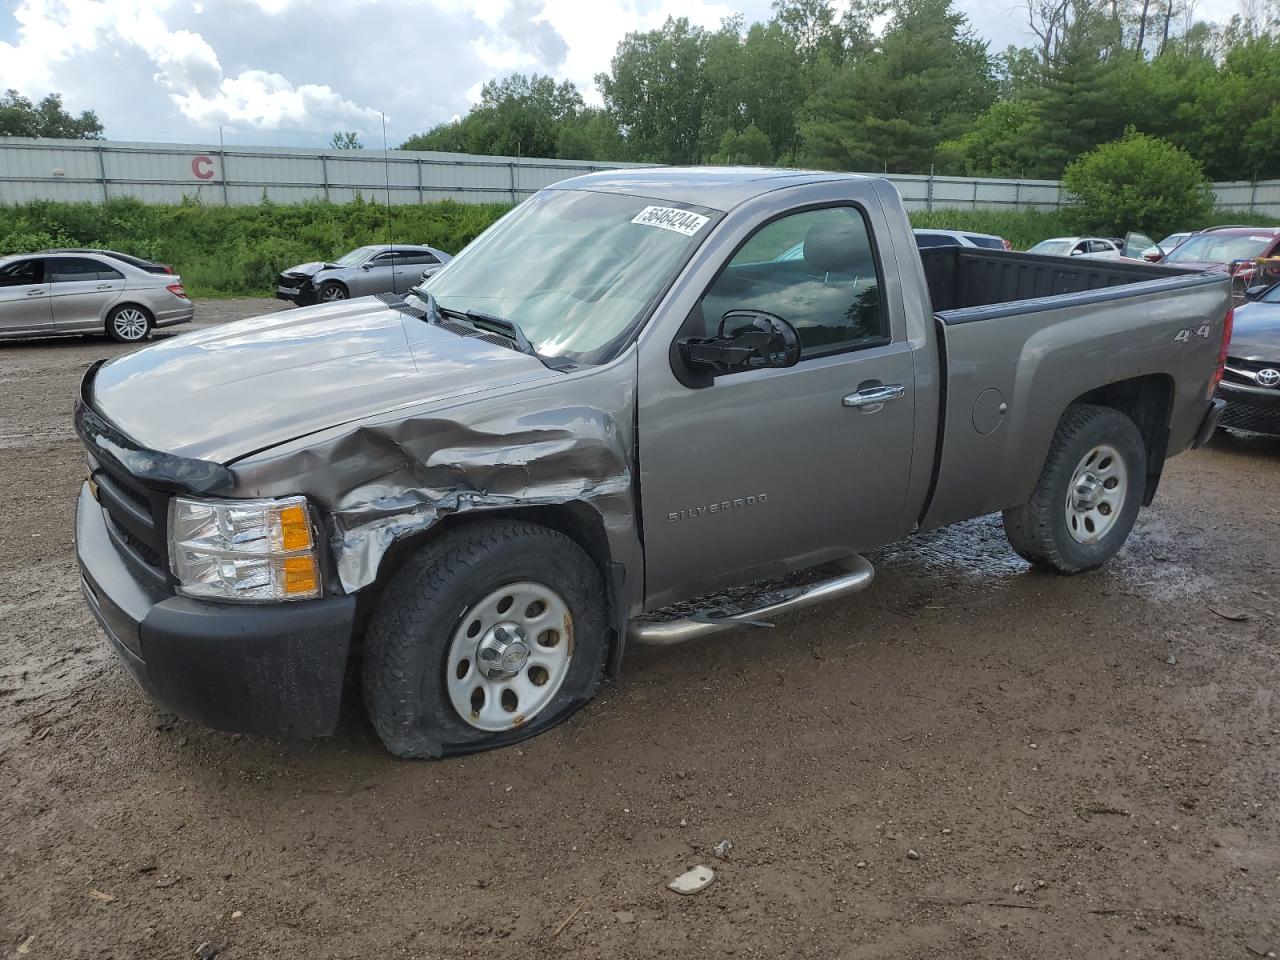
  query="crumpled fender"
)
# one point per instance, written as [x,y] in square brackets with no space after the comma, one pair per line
[378,481]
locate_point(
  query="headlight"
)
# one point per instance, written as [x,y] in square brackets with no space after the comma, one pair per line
[243,549]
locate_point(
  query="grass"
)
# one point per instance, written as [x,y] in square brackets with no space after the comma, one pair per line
[237,251]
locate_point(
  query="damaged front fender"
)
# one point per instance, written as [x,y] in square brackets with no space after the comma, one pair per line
[383,479]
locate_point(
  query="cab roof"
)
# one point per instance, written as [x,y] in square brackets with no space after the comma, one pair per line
[719,188]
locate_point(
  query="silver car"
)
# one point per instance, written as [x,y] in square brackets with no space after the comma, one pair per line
[379,268]
[50,294]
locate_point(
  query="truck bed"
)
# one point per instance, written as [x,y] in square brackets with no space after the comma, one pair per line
[975,284]
[1015,333]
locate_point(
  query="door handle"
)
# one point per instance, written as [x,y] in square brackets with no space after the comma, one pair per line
[104,286]
[874,396]
[35,293]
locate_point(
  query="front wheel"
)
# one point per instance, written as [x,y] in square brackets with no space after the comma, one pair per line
[332,292]
[1088,495]
[128,324]
[490,634]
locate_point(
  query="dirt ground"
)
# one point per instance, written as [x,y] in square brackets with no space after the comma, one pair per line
[970,760]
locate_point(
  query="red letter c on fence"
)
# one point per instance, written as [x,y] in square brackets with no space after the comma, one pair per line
[202,167]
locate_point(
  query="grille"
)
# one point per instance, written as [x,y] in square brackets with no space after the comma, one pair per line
[1245,371]
[1258,419]
[138,520]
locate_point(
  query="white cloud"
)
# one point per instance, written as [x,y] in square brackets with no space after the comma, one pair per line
[174,69]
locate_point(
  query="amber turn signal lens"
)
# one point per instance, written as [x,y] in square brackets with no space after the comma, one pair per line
[300,576]
[295,530]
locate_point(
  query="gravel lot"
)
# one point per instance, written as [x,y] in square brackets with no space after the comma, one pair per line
[1083,767]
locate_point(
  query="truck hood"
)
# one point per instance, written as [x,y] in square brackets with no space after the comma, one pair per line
[1255,334]
[225,392]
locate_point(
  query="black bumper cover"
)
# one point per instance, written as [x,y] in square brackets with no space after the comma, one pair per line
[270,669]
[1256,409]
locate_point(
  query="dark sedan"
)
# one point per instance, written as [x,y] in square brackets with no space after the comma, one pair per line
[1251,384]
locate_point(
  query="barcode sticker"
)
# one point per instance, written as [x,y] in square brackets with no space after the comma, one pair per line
[671,218]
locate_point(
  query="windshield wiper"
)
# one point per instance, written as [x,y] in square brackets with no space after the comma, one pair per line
[492,323]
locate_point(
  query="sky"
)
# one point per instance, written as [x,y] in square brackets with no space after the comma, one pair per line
[291,72]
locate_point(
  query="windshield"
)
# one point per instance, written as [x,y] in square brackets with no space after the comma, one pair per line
[358,255]
[575,270]
[1055,248]
[1221,248]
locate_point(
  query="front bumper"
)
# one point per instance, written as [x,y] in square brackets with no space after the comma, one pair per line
[299,290]
[1256,409]
[270,669]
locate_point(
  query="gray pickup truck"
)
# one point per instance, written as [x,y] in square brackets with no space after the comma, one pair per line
[637,389]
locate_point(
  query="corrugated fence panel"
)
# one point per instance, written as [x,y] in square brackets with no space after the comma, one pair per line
[92,171]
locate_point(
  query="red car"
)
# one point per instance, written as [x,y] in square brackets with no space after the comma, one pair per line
[1250,253]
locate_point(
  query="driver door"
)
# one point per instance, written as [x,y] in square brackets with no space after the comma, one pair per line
[375,275]
[768,470]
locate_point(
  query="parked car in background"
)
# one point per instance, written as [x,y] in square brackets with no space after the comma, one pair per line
[1093,248]
[1251,381]
[142,264]
[49,294]
[959,238]
[1236,250]
[378,268]
[1158,251]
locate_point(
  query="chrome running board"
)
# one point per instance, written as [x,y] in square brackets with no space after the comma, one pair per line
[664,633]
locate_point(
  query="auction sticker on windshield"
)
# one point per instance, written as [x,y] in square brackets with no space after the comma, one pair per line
[671,218]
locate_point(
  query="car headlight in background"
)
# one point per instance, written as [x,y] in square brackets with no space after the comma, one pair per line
[252,550]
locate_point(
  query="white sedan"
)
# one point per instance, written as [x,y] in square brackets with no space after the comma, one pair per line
[1092,248]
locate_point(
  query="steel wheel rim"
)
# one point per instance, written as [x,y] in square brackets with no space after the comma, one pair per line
[509,656]
[130,324]
[1095,496]
[332,293]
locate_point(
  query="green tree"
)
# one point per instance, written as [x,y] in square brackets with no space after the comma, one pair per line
[517,116]
[657,90]
[1136,183]
[346,140]
[926,81]
[1080,98]
[1003,142]
[19,117]
[749,148]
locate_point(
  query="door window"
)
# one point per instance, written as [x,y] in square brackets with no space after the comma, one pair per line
[71,269]
[830,292]
[22,273]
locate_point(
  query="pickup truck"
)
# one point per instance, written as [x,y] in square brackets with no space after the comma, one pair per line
[628,394]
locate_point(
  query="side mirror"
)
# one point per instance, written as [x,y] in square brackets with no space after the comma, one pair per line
[1155,256]
[746,340]
[1077,252]
[366,266]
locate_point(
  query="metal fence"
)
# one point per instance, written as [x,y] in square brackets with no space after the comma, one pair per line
[94,171]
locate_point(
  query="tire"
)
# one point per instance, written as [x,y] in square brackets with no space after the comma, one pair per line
[1068,532]
[129,323]
[331,291]
[423,633]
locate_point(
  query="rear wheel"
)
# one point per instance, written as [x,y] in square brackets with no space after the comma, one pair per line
[492,633]
[1088,495]
[129,323]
